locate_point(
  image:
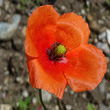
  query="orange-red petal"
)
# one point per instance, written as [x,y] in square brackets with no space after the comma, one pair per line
[72,30]
[45,74]
[42,16]
[40,31]
[40,41]
[30,48]
[85,67]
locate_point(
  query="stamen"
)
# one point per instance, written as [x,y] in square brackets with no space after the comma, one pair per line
[56,52]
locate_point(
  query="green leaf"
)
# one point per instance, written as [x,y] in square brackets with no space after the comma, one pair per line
[90,107]
[22,1]
[21,103]
[24,105]
[37,1]
[108,2]
[27,101]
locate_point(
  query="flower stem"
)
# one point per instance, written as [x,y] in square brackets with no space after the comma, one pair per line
[40,96]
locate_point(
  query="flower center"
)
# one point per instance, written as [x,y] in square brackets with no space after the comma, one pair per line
[56,51]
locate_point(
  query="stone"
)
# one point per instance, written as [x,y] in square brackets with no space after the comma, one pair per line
[56,107]
[84,95]
[46,96]
[102,35]
[23,32]
[95,40]
[66,89]
[94,25]
[83,12]
[102,10]
[7,30]
[5,107]
[15,64]
[89,17]
[63,8]
[17,43]
[0,87]
[7,5]
[88,3]
[108,96]
[103,107]
[6,72]
[19,80]
[34,100]
[25,93]
[6,80]
[108,36]
[102,86]
[104,40]
[27,78]
[101,22]
[71,92]
[1,3]
[104,47]
[68,107]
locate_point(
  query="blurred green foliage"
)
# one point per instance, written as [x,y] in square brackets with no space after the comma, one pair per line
[90,107]
[25,1]
[88,7]
[37,1]
[26,104]
[108,2]
[29,1]
[22,6]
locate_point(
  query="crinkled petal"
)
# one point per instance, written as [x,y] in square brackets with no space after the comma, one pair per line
[42,16]
[45,74]
[72,30]
[41,28]
[40,41]
[30,48]
[84,68]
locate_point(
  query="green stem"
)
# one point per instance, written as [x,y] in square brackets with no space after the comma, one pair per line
[40,96]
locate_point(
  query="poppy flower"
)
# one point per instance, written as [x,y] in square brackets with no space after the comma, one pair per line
[58,53]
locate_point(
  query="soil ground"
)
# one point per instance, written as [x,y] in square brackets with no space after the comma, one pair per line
[14,79]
